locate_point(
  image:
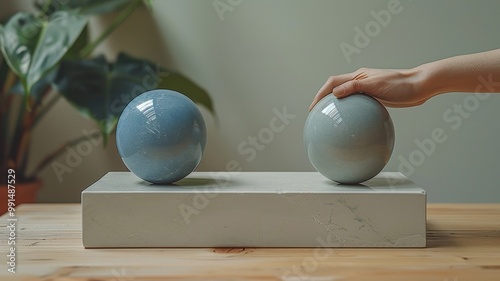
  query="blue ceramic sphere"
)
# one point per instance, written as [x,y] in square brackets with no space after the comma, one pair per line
[161,136]
[349,140]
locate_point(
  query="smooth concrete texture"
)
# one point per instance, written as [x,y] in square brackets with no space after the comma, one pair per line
[253,209]
[349,140]
[267,57]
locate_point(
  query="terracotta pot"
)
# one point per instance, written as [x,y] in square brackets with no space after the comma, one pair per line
[25,193]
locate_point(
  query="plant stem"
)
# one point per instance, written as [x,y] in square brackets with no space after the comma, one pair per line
[24,150]
[52,156]
[6,101]
[18,127]
[46,7]
[25,141]
[85,52]
[3,138]
[46,109]
[5,104]
[9,82]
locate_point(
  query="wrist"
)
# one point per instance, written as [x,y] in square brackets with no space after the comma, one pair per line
[430,80]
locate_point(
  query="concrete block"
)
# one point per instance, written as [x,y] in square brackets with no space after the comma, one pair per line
[253,209]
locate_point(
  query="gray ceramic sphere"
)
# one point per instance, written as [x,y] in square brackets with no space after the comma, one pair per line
[349,140]
[161,136]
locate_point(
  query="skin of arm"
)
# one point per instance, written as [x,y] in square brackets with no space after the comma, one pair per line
[478,73]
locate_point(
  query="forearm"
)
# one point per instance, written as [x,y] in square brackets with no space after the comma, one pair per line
[478,73]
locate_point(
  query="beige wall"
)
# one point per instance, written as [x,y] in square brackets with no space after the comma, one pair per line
[262,55]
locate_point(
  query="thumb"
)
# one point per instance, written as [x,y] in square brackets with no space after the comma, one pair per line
[348,88]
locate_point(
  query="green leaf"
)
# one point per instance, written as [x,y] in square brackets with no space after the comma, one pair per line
[80,43]
[153,76]
[148,3]
[18,42]
[175,81]
[33,46]
[39,88]
[86,85]
[101,90]
[88,7]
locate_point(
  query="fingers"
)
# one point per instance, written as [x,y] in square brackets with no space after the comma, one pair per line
[400,104]
[347,89]
[391,87]
[328,87]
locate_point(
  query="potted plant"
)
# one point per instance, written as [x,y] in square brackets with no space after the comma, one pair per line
[48,55]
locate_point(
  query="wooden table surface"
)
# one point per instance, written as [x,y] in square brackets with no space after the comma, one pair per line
[463,244]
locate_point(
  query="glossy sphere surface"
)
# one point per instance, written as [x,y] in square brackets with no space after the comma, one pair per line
[161,136]
[349,140]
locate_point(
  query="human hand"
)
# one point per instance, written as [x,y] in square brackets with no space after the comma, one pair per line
[392,87]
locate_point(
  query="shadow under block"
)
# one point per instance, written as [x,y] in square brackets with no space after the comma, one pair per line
[253,209]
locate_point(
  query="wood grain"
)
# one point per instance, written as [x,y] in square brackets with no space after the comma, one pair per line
[463,244]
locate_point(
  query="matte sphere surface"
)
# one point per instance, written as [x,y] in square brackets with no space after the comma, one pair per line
[161,136]
[349,140]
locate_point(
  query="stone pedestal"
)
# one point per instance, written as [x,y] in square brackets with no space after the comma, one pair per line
[253,209]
